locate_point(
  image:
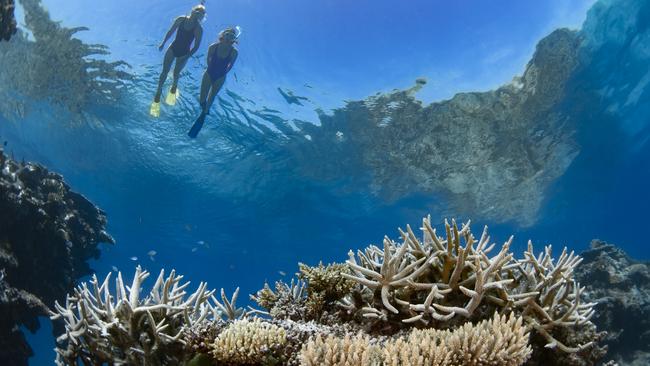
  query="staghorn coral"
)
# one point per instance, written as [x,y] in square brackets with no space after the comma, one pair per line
[444,281]
[499,341]
[249,342]
[126,327]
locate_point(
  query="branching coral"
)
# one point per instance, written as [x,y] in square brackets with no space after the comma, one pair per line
[127,328]
[445,301]
[441,281]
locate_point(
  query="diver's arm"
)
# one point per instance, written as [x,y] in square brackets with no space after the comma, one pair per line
[171,31]
[198,34]
[232,60]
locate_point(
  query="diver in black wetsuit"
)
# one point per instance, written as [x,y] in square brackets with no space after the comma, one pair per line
[188,29]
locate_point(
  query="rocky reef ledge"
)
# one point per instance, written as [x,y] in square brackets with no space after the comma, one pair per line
[47,234]
[621,287]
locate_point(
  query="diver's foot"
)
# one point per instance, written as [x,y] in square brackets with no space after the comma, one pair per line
[156,99]
[173,89]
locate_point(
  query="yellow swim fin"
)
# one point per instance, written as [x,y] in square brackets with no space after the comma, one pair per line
[171,97]
[154,110]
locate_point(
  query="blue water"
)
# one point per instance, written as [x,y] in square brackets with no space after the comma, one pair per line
[235,208]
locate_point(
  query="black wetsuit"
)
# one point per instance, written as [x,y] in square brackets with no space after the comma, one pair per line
[183,41]
[219,67]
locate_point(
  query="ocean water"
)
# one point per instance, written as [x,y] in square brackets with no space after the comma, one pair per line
[269,182]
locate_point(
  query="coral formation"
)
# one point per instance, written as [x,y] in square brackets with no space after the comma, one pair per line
[438,301]
[335,351]
[7,20]
[457,278]
[246,342]
[47,235]
[621,286]
[56,67]
[500,341]
[129,328]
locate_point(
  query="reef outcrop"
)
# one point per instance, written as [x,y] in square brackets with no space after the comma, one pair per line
[7,19]
[621,287]
[47,234]
[442,300]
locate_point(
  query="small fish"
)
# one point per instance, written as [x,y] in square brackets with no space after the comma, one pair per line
[151,253]
[134,258]
[114,269]
[194,249]
[200,242]
[188,227]
[282,273]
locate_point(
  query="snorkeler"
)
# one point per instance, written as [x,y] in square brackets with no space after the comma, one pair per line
[221,58]
[188,29]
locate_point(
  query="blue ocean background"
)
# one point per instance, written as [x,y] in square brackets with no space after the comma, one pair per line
[232,207]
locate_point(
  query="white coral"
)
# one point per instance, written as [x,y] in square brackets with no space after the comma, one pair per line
[438,279]
[125,327]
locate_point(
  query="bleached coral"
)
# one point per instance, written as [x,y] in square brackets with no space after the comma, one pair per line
[249,342]
[126,327]
[335,351]
[441,281]
[500,341]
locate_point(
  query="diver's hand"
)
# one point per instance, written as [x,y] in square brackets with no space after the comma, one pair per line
[161,46]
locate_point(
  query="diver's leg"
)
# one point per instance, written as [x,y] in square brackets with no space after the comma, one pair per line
[214,89]
[206,82]
[180,64]
[167,65]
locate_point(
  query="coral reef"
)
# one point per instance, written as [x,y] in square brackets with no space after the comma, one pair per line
[47,234]
[437,301]
[7,20]
[439,281]
[621,286]
[56,67]
[128,328]
[500,341]
[246,342]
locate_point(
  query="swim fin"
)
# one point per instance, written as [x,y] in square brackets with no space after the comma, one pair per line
[154,110]
[171,97]
[197,126]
